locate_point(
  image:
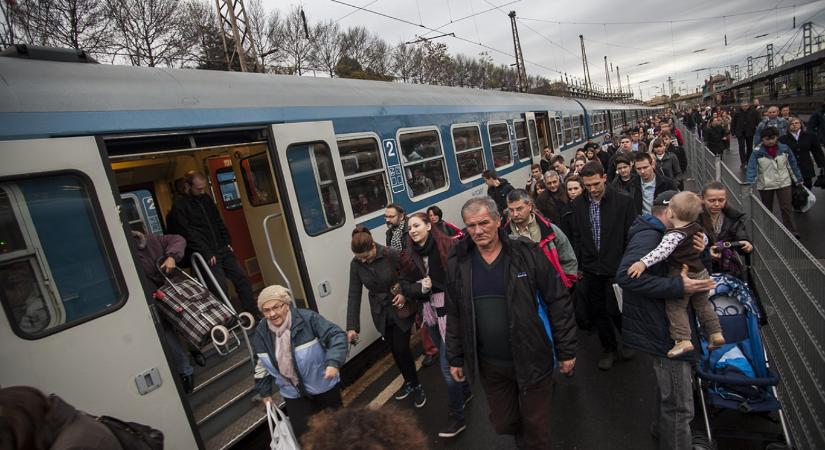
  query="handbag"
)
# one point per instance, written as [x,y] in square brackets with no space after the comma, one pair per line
[799,197]
[280,428]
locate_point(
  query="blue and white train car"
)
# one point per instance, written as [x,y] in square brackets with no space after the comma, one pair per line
[295,163]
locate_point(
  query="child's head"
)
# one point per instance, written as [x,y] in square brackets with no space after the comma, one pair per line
[686,206]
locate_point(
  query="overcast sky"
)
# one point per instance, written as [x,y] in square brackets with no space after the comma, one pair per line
[630,34]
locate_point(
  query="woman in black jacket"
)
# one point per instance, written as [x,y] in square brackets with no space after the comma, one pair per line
[723,223]
[715,136]
[377,267]
[806,148]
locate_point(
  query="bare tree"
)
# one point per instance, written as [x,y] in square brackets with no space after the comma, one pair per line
[357,42]
[295,44]
[403,61]
[148,31]
[28,22]
[435,63]
[379,56]
[329,46]
[266,29]
[200,37]
[81,24]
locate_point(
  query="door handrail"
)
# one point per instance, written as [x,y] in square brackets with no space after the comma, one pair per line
[272,251]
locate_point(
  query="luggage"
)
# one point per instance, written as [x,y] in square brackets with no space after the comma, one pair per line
[280,429]
[191,309]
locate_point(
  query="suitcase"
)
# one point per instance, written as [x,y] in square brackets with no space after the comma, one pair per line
[191,309]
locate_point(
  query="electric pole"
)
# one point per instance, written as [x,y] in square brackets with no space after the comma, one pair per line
[807,40]
[521,71]
[770,56]
[587,81]
[607,75]
[618,80]
[232,23]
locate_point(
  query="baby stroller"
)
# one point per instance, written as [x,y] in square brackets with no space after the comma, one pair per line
[737,376]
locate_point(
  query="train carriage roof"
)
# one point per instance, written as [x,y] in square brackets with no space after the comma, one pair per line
[591,105]
[46,86]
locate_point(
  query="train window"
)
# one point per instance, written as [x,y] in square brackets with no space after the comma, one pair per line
[522,143]
[228,185]
[423,160]
[55,271]
[469,153]
[567,128]
[500,143]
[534,137]
[316,186]
[257,178]
[577,131]
[364,175]
[139,208]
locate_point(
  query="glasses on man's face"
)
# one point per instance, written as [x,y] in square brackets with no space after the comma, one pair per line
[277,308]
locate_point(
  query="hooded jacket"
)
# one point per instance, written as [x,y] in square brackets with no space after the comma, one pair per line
[644,321]
[532,350]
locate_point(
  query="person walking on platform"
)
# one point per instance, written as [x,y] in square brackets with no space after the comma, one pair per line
[649,184]
[437,219]
[772,119]
[723,223]
[551,202]
[396,238]
[625,149]
[816,124]
[744,124]
[499,301]
[599,223]
[667,164]
[805,146]
[197,219]
[715,136]
[497,189]
[773,168]
[302,353]
[424,278]
[377,268]
[625,180]
[546,156]
[646,327]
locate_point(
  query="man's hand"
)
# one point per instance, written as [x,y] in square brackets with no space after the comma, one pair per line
[566,367]
[352,336]
[692,286]
[168,264]
[636,270]
[699,242]
[747,247]
[330,373]
[457,373]
[212,261]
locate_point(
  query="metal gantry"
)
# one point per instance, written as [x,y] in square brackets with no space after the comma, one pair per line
[233,24]
[521,71]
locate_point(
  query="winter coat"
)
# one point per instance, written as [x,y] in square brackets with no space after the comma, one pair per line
[806,150]
[644,321]
[499,194]
[197,219]
[316,344]
[532,350]
[628,187]
[816,124]
[663,184]
[378,276]
[773,173]
[714,139]
[780,123]
[554,237]
[550,204]
[617,214]
[744,122]
[610,170]
[680,155]
[668,166]
[158,248]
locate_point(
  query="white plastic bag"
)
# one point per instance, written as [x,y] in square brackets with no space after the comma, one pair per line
[283,438]
[811,200]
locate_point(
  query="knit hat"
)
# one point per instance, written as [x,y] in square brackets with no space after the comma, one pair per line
[274,293]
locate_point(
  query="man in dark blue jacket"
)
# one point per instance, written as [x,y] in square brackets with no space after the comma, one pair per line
[645,325]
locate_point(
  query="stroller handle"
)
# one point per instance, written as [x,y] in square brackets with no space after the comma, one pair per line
[771,380]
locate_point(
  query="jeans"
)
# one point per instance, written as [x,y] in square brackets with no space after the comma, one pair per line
[455,390]
[674,387]
[179,358]
[227,266]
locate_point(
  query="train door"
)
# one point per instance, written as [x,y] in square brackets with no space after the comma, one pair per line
[74,319]
[228,199]
[555,132]
[308,158]
[533,135]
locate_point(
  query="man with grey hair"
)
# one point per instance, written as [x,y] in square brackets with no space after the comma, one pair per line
[551,202]
[773,120]
[501,306]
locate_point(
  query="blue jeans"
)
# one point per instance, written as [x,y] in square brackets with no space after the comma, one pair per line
[179,358]
[455,389]
[674,384]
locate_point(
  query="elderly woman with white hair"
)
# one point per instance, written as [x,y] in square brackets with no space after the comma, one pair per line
[302,353]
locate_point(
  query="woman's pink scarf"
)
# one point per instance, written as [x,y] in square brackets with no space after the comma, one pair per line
[282,340]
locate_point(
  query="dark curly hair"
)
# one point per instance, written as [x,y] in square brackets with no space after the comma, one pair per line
[364,428]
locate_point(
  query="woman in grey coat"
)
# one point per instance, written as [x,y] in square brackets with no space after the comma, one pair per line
[376,267]
[666,163]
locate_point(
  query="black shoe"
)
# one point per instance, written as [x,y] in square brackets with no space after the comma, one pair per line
[419,396]
[606,361]
[467,397]
[428,360]
[404,392]
[453,429]
[198,357]
[188,383]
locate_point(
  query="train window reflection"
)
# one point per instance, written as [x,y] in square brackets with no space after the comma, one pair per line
[257,178]
[521,139]
[500,143]
[364,174]
[567,128]
[423,161]
[469,153]
[534,137]
[54,270]
[316,187]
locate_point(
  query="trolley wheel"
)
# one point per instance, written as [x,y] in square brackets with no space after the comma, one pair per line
[247,320]
[220,335]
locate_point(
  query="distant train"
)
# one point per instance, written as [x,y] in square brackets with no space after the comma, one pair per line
[91,151]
